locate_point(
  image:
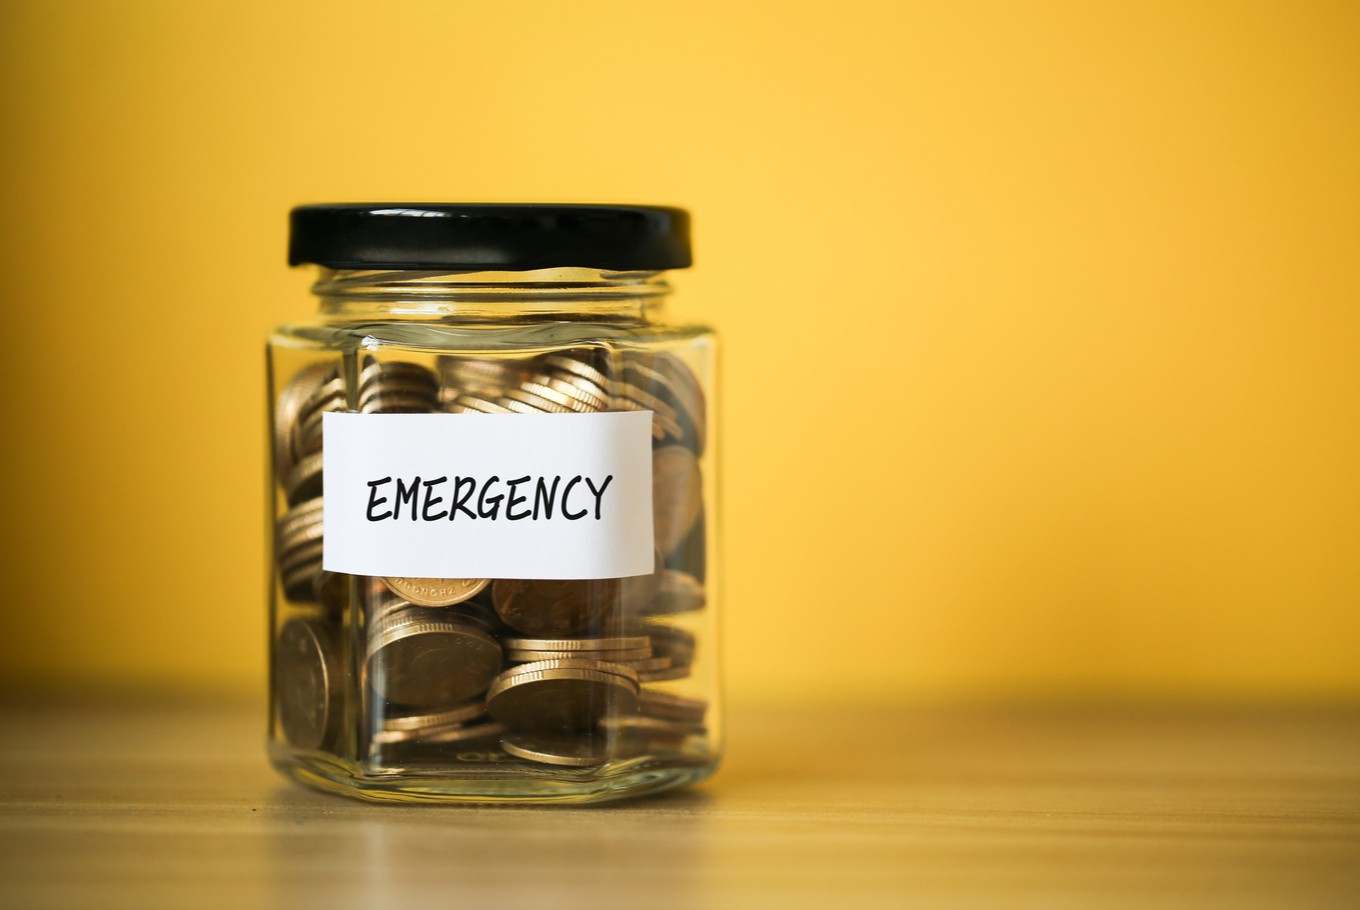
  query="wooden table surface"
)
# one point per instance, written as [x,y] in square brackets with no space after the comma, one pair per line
[152,806]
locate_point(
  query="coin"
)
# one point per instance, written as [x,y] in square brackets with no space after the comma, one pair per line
[298,551]
[304,684]
[672,707]
[436,592]
[645,665]
[588,397]
[637,591]
[673,642]
[484,377]
[679,592]
[568,663]
[667,675]
[579,644]
[457,715]
[620,657]
[463,734]
[468,404]
[522,402]
[667,377]
[555,608]
[303,519]
[559,699]
[329,396]
[438,726]
[582,750]
[677,494]
[628,397]
[304,481]
[577,368]
[289,404]
[419,662]
[653,729]
[558,397]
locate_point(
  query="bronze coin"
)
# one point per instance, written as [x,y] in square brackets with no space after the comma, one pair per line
[460,714]
[566,663]
[685,394]
[555,608]
[672,707]
[679,592]
[304,683]
[436,592]
[677,495]
[306,435]
[579,644]
[468,404]
[654,729]
[672,642]
[667,675]
[636,592]
[484,377]
[614,657]
[554,700]
[579,750]
[429,727]
[289,405]
[304,481]
[419,662]
[584,396]
[575,367]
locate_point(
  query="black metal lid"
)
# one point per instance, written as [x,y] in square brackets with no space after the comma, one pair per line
[490,237]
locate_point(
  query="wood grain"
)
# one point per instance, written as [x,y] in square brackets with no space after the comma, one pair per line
[148,806]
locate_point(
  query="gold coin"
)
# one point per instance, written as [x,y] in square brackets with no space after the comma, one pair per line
[289,405]
[579,644]
[556,396]
[578,368]
[304,684]
[666,675]
[677,495]
[654,729]
[587,395]
[458,715]
[417,662]
[667,377]
[679,592]
[467,404]
[436,592]
[672,642]
[567,663]
[615,657]
[306,437]
[462,734]
[555,608]
[434,727]
[559,699]
[583,750]
[484,377]
[304,481]
[646,665]
[673,707]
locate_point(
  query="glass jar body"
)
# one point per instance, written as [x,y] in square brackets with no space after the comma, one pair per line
[494,689]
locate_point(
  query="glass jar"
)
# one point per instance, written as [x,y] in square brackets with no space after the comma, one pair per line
[493,493]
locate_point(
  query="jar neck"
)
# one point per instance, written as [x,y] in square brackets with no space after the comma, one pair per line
[565,293]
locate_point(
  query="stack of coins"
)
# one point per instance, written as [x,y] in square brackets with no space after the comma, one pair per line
[557,672]
[396,387]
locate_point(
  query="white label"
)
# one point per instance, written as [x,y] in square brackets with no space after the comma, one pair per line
[489,495]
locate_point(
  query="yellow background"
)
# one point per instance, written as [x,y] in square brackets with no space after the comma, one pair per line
[1042,320]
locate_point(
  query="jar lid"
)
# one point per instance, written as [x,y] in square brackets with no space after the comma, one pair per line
[490,237]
